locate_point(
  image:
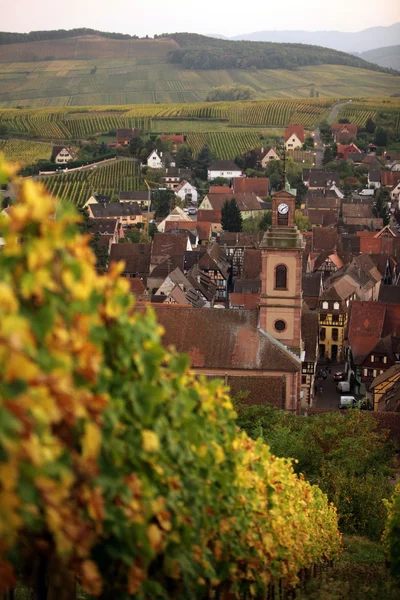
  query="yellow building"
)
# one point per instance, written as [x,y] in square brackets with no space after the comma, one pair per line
[332,322]
[386,390]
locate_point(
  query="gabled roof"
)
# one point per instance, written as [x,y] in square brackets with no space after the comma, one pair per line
[248,301]
[241,239]
[204,229]
[209,216]
[390,178]
[220,189]
[182,185]
[136,285]
[135,256]
[177,172]
[115,209]
[175,139]
[101,197]
[338,128]
[311,283]
[374,176]
[322,179]
[253,185]
[168,244]
[223,339]
[244,201]
[385,375]
[215,259]
[297,130]
[139,196]
[365,327]
[57,149]
[252,264]
[188,225]
[103,226]
[224,165]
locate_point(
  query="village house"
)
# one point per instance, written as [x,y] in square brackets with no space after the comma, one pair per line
[395,195]
[294,137]
[176,140]
[390,178]
[187,192]
[223,168]
[97,199]
[250,205]
[167,245]
[319,179]
[141,197]
[374,179]
[176,215]
[343,150]
[360,214]
[385,388]
[62,155]
[174,175]
[136,258]
[265,155]
[128,213]
[124,135]
[235,245]
[373,342]
[215,264]
[160,160]
[343,132]
[111,228]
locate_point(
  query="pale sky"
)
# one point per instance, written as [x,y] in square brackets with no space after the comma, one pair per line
[226,17]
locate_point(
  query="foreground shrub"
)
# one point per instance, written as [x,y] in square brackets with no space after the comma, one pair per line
[118,466]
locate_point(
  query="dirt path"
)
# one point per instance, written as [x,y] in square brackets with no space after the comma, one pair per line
[319,149]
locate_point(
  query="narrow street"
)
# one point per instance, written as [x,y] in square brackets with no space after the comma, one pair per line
[319,149]
[330,397]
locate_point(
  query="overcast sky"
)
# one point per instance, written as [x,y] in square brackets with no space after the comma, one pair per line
[227,17]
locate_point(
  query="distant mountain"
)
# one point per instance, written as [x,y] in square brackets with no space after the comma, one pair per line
[359,41]
[389,56]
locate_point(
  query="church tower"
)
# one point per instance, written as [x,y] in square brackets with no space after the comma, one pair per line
[281,289]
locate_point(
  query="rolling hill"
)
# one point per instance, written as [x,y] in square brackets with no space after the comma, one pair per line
[86,70]
[357,41]
[388,56]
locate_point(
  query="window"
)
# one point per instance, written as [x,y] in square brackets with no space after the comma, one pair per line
[280,325]
[322,334]
[370,372]
[280,277]
[335,334]
[322,317]
[304,379]
[372,358]
[385,359]
[336,306]
[325,305]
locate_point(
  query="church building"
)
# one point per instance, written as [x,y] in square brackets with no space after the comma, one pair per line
[258,353]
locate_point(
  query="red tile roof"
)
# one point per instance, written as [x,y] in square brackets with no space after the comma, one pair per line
[390,178]
[136,285]
[135,256]
[298,130]
[210,216]
[204,229]
[253,185]
[176,139]
[252,264]
[189,225]
[248,301]
[365,327]
[222,339]
[220,189]
[245,201]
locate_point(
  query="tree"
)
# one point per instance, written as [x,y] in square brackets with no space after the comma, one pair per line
[231,218]
[370,125]
[274,171]
[230,93]
[136,145]
[258,223]
[328,156]
[381,137]
[162,202]
[203,161]
[308,143]
[302,222]
[103,148]
[301,191]
[380,208]
[184,158]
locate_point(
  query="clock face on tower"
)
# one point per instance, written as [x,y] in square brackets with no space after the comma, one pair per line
[283,208]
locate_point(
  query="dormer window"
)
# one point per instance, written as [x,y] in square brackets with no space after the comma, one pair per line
[325,305]
[336,306]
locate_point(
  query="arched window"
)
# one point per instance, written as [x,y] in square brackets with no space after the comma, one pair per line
[281,277]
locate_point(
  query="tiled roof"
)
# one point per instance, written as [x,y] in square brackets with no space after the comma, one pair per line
[244,201]
[215,259]
[103,226]
[241,239]
[385,375]
[247,286]
[168,244]
[389,294]
[224,165]
[390,178]
[365,327]
[57,149]
[175,139]
[319,178]
[136,285]
[324,238]
[204,229]
[311,283]
[323,202]
[189,225]
[177,173]
[221,189]
[252,264]
[253,185]
[135,256]
[357,210]
[210,216]
[248,301]
[223,339]
[115,209]
[297,130]
[322,217]
[338,128]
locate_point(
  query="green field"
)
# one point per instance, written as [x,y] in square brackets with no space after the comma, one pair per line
[129,81]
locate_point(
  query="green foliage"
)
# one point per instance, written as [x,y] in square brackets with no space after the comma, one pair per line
[184,158]
[258,223]
[231,218]
[370,125]
[328,155]
[203,161]
[391,537]
[380,206]
[381,137]
[162,202]
[344,455]
[302,222]
[230,93]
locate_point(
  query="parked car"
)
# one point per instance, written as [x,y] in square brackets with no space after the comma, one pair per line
[343,386]
[339,376]
[186,210]
[192,211]
[347,402]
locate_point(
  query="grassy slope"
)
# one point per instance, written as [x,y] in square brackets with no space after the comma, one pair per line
[98,71]
[388,56]
[360,574]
